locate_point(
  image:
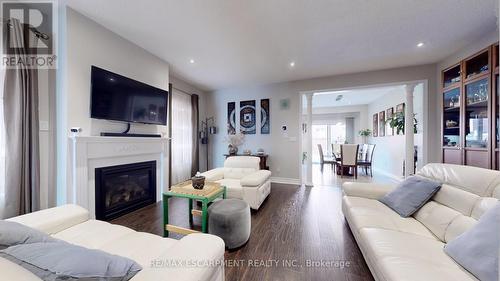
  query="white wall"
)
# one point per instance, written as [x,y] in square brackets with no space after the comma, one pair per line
[390,150]
[285,151]
[84,43]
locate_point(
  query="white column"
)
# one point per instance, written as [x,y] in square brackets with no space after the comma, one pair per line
[308,137]
[409,134]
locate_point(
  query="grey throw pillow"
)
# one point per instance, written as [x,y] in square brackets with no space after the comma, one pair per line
[478,249]
[410,195]
[64,261]
[13,233]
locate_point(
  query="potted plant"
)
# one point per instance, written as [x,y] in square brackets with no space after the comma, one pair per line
[398,121]
[365,134]
[233,142]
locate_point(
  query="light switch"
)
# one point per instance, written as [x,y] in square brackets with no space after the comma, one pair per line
[44,125]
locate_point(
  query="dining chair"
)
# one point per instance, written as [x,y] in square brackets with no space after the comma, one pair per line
[325,160]
[336,150]
[363,151]
[367,163]
[349,158]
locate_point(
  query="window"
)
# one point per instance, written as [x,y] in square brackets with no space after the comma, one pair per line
[2,146]
[182,137]
[326,135]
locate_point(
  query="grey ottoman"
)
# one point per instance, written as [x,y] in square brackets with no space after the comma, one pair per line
[230,220]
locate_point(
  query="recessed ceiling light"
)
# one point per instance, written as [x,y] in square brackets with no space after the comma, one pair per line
[191,61]
[111,79]
[292,64]
[421,44]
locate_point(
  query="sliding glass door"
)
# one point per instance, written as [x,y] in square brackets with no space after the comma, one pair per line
[326,135]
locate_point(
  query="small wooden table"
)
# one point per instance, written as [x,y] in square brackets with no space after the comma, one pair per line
[208,194]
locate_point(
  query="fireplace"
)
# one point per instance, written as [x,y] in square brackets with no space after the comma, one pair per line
[124,188]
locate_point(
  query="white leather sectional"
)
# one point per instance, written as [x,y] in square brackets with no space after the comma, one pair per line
[397,248]
[243,179]
[71,223]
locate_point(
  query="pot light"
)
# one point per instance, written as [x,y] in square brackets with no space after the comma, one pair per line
[420,44]
[191,61]
[292,64]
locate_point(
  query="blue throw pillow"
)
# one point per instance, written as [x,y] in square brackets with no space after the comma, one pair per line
[478,249]
[64,261]
[13,233]
[410,195]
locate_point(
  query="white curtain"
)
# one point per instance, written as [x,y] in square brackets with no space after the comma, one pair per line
[182,136]
[2,147]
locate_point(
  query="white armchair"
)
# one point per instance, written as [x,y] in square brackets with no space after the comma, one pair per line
[243,179]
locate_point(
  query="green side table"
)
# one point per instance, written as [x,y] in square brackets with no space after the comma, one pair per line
[208,194]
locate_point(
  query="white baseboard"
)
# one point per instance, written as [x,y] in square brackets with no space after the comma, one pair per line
[392,176]
[285,180]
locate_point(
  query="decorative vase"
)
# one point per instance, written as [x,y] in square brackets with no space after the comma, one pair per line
[232,149]
[198,182]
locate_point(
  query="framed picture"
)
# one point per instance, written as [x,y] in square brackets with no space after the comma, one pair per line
[388,116]
[400,108]
[375,125]
[264,117]
[381,123]
[247,117]
[285,104]
[231,118]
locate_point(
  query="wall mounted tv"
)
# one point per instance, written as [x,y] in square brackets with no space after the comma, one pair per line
[116,97]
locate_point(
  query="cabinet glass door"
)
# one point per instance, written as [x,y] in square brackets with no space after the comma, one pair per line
[497,126]
[451,118]
[476,114]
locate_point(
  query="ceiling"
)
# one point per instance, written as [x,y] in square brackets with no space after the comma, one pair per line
[353,97]
[236,43]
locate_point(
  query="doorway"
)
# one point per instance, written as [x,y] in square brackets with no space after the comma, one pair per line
[338,117]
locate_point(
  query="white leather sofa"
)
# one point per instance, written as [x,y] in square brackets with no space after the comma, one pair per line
[397,248]
[243,179]
[203,253]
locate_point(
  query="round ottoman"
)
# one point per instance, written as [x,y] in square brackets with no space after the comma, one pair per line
[230,220]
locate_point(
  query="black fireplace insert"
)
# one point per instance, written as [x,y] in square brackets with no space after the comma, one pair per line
[124,188]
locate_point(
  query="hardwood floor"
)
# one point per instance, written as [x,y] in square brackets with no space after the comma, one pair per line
[294,227]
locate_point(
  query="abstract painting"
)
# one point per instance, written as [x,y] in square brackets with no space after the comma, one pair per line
[381,123]
[375,125]
[264,116]
[247,117]
[231,118]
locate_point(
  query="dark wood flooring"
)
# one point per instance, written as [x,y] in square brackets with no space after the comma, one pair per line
[295,227]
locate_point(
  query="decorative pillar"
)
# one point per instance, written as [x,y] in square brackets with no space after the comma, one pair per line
[308,138]
[409,134]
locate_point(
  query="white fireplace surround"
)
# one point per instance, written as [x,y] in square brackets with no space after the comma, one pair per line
[89,153]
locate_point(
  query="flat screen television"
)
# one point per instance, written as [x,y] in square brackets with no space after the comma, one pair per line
[116,97]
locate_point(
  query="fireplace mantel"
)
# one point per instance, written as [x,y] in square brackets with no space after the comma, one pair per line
[88,153]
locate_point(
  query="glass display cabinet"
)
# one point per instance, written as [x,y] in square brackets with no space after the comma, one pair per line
[467,111]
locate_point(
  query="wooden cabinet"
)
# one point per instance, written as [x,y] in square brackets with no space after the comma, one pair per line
[470,111]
